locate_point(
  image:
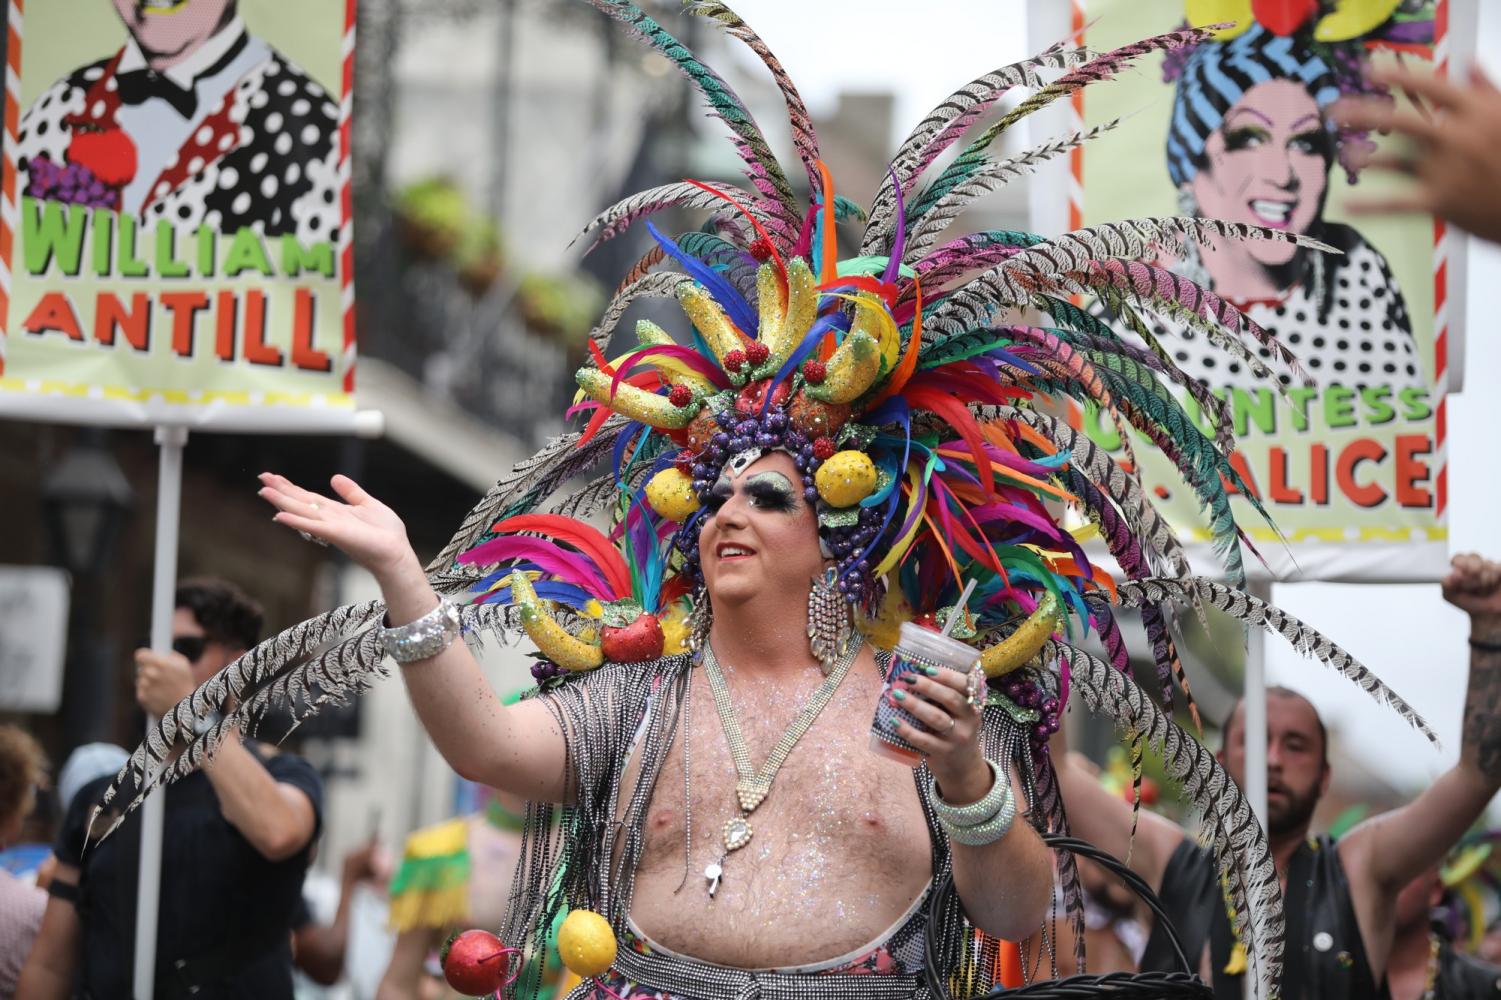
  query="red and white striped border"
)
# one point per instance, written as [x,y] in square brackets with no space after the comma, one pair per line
[8,213]
[1441,301]
[346,196]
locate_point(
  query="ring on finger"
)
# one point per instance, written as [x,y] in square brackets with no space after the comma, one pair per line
[313,505]
[310,537]
[975,691]
[952,723]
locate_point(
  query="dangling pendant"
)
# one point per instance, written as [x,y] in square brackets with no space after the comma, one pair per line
[737,833]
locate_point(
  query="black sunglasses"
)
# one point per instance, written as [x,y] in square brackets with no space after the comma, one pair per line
[190,647]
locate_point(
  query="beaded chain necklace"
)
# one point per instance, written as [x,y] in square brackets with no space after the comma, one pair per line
[752,786]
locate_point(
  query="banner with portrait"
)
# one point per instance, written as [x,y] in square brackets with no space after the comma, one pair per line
[1345,452]
[175,226]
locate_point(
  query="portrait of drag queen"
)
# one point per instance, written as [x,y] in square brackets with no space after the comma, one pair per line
[1249,141]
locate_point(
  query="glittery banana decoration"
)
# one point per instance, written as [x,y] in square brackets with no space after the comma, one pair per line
[649,334]
[851,370]
[553,640]
[1020,646]
[710,319]
[634,403]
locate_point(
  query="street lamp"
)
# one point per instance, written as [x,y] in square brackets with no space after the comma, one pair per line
[85,500]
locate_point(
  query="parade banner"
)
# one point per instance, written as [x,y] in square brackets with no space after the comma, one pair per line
[175,214]
[1348,459]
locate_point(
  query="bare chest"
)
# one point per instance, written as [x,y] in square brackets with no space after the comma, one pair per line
[839,849]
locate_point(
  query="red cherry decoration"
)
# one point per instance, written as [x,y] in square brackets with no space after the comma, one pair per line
[824,448]
[109,155]
[760,248]
[680,395]
[1283,17]
[757,353]
[475,963]
[735,360]
[814,372]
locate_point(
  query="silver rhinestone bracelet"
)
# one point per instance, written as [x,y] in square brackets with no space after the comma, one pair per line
[424,638]
[976,812]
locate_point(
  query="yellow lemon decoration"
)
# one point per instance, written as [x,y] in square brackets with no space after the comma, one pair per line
[586,943]
[675,630]
[846,478]
[1353,19]
[1204,12]
[670,493]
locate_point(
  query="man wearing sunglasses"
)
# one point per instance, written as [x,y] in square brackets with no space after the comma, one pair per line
[239,833]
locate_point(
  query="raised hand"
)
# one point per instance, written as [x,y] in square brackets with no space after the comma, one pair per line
[1474,586]
[1453,159]
[361,526]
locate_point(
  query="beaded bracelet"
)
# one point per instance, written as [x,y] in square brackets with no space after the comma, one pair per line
[424,638]
[989,831]
[976,812]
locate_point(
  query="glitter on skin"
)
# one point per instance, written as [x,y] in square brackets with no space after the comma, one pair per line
[842,834]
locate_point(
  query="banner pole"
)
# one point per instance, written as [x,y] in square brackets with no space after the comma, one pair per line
[163,589]
[1254,724]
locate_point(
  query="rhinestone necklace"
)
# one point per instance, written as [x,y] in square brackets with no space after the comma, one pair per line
[751,786]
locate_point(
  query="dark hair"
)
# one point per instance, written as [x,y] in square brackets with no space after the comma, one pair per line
[1282,692]
[22,765]
[226,613]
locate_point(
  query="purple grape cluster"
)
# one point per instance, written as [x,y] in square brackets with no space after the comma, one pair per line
[773,430]
[72,183]
[546,670]
[1027,693]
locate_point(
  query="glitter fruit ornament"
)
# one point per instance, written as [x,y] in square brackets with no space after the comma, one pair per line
[816,418]
[846,478]
[638,642]
[753,397]
[700,431]
[670,493]
[475,963]
[586,943]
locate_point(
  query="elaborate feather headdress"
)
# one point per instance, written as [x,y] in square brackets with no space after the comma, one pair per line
[914,383]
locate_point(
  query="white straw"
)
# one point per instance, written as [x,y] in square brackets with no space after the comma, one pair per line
[948,626]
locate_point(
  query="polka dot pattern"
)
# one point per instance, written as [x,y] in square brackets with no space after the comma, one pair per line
[266,159]
[1362,337]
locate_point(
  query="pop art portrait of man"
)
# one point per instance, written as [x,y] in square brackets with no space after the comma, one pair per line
[194,120]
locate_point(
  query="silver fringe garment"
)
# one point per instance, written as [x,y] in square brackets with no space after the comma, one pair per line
[581,856]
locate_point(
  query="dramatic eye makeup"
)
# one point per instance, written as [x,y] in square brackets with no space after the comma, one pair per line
[772,491]
[767,491]
[1245,137]
[719,493]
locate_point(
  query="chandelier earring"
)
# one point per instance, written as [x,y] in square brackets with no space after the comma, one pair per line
[700,619]
[831,626]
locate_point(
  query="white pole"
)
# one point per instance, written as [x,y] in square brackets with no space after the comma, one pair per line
[1254,700]
[163,587]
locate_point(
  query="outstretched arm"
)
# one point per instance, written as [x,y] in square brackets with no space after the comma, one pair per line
[1393,848]
[518,749]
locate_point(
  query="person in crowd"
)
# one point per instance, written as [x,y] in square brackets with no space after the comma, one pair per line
[22,767]
[453,876]
[319,949]
[1340,896]
[1424,963]
[238,834]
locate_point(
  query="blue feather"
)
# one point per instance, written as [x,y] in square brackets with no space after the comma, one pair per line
[729,299]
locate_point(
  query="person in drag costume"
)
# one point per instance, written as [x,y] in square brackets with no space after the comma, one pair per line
[828,455]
